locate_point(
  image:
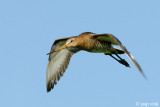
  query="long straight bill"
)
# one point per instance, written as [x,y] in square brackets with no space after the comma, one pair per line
[63,47]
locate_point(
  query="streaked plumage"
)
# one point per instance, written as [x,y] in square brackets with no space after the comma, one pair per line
[62,50]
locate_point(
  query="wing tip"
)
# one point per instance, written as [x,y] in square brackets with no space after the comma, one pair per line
[48,90]
[50,85]
[144,76]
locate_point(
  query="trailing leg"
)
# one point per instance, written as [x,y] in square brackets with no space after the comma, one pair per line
[120,60]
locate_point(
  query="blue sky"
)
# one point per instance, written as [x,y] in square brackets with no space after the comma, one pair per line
[29,27]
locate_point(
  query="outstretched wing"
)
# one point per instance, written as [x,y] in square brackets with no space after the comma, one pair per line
[113,40]
[57,62]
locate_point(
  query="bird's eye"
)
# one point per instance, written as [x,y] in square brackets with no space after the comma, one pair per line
[71,40]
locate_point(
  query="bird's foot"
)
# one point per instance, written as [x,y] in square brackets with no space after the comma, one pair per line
[122,61]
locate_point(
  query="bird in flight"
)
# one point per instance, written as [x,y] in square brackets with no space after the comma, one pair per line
[62,50]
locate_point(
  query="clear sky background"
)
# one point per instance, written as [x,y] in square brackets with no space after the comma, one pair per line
[28,29]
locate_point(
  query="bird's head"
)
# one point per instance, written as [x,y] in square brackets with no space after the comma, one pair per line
[69,43]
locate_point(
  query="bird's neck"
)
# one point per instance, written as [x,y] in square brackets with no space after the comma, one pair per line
[86,43]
